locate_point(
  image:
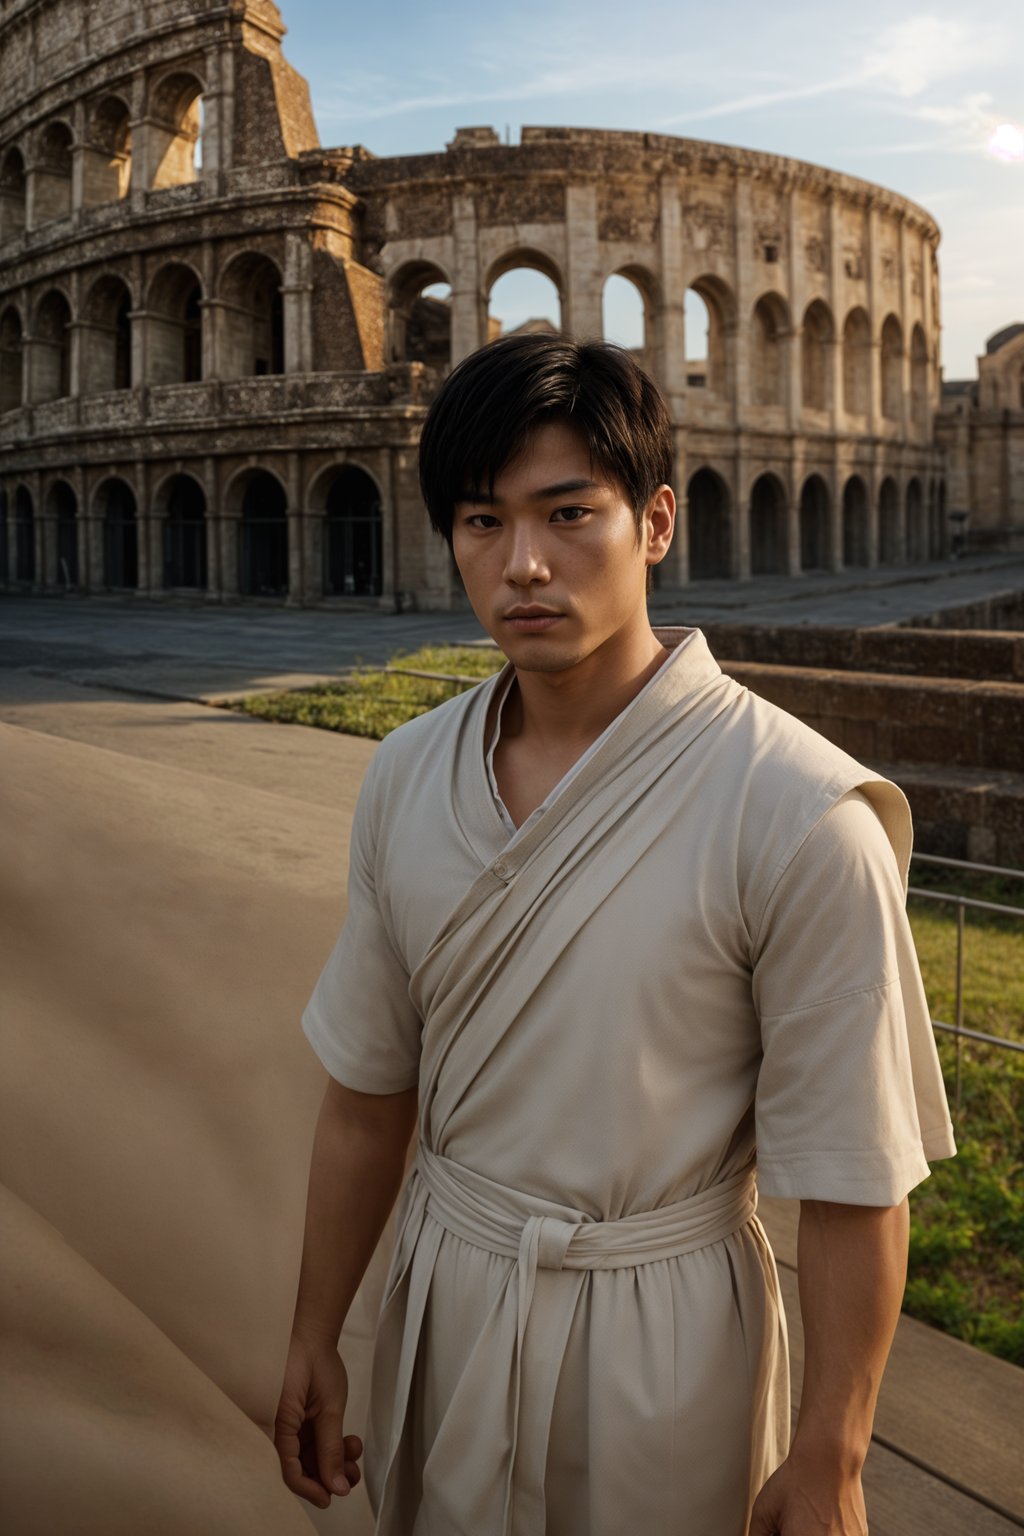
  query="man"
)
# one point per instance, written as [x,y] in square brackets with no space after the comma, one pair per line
[617,929]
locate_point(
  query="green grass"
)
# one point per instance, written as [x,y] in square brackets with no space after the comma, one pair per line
[967,1220]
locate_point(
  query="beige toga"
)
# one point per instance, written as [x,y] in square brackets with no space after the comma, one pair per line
[693,964]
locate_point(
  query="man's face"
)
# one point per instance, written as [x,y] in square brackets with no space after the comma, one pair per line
[551,564]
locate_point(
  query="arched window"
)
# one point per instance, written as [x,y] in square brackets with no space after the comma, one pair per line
[252,318]
[53,174]
[11,357]
[175,121]
[115,502]
[889,537]
[263,543]
[625,309]
[108,153]
[12,195]
[892,369]
[855,522]
[708,526]
[768,351]
[174,343]
[182,504]
[816,357]
[24,536]
[62,505]
[709,309]
[917,532]
[524,293]
[815,525]
[420,316]
[352,545]
[919,380]
[856,363]
[107,351]
[768,527]
[51,363]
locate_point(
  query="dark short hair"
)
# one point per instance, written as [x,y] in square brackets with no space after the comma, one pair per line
[490,403]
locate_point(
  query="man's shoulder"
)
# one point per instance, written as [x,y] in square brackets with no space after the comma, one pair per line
[428,742]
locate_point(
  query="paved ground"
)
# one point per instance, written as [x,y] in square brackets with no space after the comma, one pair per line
[204,652]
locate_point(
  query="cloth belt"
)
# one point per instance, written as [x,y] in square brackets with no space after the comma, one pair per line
[539,1236]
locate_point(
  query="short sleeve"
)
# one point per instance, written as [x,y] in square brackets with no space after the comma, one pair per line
[359,1019]
[850,1104]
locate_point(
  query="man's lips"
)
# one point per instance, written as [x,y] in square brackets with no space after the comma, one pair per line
[531,620]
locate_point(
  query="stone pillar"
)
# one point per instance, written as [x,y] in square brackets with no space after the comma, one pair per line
[835,562]
[675,568]
[41,538]
[875,355]
[873,520]
[797,304]
[297,300]
[214,546]
[94,519]
[78,331]
[469,303]
[739,544]
[797,471]
[76,478]
[140,143]
[835,299]
[296,542]
[143,526]
[745,288]
[581,302]
[906,325]
[670,319]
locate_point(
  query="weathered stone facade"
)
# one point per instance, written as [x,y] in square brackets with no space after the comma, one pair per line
[216,351]
[981,426]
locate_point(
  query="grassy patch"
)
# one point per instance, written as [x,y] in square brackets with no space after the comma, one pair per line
[967,1219]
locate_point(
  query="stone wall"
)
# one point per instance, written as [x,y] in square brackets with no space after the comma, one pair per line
[943,651]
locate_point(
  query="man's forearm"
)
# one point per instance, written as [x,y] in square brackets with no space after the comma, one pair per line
[355,1174]
[852,1268]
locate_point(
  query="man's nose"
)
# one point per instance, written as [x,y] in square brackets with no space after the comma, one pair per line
[525,561]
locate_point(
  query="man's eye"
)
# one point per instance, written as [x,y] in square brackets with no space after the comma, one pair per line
[482,520]
[569,514]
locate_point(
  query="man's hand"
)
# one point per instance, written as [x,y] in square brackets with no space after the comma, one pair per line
[317,1457]
[800,1499]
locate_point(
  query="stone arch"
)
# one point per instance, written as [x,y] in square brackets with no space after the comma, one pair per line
[890,534]
[919,380]
[768,526]
[11,359]
[251,310]
[180,504]
[174,326]
[892,369]
[52,174]
[525,258]
[917,532]
[114,503]
[257,498]
[420,315]
[62,507]
[349,500]
[856,523]
[107,351]
[816,343]
[718,309]
[769,351]
[708,526]
[815,525]
[856,363]
[13,184]
[107,153]
[51,347]
[628,307]
[24,535]
[174,127]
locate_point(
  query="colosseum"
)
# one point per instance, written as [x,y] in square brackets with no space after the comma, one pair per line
[218,339]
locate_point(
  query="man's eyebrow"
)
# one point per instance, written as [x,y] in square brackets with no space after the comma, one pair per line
[546,493]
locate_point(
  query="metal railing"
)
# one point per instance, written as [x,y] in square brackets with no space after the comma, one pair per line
[959,1030]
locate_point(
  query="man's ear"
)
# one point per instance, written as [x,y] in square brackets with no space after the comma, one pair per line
[660,522]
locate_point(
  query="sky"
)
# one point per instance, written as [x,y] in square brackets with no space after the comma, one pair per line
[915,97]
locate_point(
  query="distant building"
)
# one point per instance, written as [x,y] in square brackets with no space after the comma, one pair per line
[218,340]
[981,426]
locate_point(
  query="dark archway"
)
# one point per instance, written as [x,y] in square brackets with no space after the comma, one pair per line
[263,542]
[24,535]
[768,527]
[116,500]
[107,360]
[892,369]
[184,511]
[708,526]
[856,549]
[420,316]
[856,363]
[175,344]
[816,357]
[353,565]
[252,318]
[815,525]
[52,347]
[889,541]
[63,508]
[11,357]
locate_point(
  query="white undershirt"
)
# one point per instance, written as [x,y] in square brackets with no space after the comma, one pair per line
[566,779]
